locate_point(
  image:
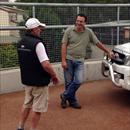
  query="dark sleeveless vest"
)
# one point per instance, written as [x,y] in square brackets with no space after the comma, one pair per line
[32,72]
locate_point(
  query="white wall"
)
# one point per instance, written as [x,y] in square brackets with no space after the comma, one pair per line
[10,80]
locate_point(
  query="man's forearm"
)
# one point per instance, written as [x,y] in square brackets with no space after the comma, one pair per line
[48,68]
[102,47]
[63,52]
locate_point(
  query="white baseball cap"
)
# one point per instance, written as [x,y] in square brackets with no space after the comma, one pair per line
[33,23]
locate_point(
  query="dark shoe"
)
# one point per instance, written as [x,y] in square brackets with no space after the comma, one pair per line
[75,105]
[63,101]
[20,129]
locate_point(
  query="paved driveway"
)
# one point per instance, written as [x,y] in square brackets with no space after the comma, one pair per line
[104,107]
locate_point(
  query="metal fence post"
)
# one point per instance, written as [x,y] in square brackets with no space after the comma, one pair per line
[77,9]
[33,11]
[118,28]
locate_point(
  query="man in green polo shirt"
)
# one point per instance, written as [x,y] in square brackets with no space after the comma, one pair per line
[73,52]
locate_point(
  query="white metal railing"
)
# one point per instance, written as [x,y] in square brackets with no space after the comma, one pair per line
[114,26]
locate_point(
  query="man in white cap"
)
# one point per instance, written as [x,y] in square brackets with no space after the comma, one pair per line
[36,73]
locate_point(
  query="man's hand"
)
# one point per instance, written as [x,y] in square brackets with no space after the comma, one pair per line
[64,65]
[111,55]
[55,80]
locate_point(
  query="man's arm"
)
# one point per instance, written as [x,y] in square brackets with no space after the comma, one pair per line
[44,60]
[48,67]
[102,47]
[63,55]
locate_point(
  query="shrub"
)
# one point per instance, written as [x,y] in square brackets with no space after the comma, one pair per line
[8,56]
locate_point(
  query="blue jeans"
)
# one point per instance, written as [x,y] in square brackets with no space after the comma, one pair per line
[74,76]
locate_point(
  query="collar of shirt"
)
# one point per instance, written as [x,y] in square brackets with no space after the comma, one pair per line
[80,31]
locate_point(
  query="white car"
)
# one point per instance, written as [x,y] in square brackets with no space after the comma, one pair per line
[118,69]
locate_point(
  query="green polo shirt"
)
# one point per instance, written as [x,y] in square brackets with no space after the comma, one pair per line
[78,42]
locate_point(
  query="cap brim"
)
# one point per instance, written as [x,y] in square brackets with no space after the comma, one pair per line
[42,24]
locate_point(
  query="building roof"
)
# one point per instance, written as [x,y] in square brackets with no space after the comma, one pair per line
[4,0]
[12,9]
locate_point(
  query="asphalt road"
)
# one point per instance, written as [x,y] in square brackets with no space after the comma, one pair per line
[104,107]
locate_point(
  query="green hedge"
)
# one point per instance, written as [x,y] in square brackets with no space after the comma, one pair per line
[8,56]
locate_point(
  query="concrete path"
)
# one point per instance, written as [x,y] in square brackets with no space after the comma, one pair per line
[104,107]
